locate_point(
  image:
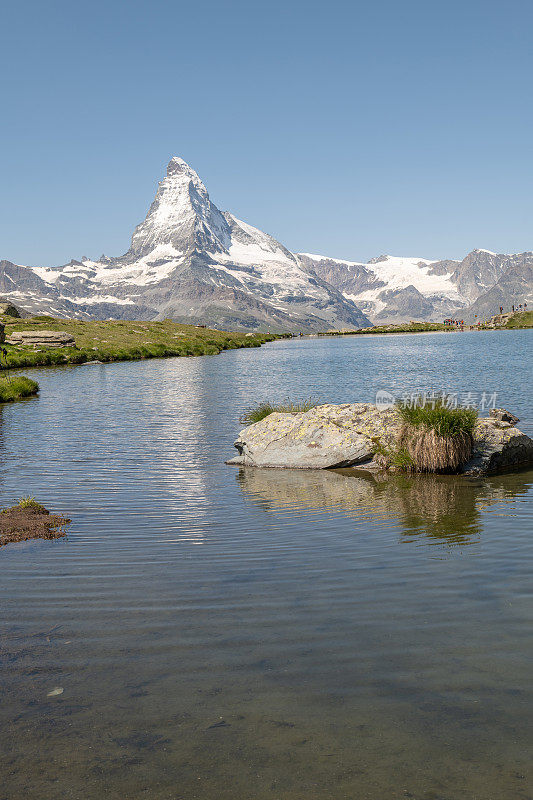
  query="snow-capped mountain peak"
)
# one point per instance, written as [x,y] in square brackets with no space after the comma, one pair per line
[190,262]
[178,165]
[181,215]
[193,263]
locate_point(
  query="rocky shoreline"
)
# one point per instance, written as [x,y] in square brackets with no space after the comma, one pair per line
[30,520]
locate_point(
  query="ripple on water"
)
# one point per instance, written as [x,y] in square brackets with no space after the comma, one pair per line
[223,633]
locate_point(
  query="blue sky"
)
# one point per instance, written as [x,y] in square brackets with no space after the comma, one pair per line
[345,128]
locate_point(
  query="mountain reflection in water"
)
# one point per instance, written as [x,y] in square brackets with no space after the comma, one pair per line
[446,508]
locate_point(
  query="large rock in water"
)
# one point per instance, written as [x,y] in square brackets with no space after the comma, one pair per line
[347,435]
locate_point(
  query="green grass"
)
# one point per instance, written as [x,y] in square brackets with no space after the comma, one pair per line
[257,413]
[434,437]
[522,319]
[437,416]
[119,340]
[16,388]
[393,456]
[30,502]
[27,502]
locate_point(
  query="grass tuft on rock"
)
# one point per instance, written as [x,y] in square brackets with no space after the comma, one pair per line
[439,416]
[257,413]
[398,458]
[30,502]
[17,388]
[436,437]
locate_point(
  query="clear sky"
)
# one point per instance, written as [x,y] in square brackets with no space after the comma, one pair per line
[345,128]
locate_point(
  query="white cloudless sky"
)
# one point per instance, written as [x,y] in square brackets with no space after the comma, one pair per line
[345,128]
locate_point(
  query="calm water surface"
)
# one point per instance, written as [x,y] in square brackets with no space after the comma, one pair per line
[257,634]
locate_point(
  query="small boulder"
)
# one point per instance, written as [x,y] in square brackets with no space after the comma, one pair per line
[498,447]
[503,415]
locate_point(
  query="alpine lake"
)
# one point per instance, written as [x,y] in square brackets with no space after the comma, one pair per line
[236,634]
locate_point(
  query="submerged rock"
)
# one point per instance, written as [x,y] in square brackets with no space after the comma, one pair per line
[330,436]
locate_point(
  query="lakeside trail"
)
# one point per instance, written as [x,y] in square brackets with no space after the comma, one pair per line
[517,319]
[118,340]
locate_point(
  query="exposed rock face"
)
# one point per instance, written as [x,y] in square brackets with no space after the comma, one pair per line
[498,446]
[42,339]
[394,289]
[514,286]
[391,288]
[404,304]
[346,435]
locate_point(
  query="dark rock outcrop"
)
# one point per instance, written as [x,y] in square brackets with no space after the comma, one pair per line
[7,309]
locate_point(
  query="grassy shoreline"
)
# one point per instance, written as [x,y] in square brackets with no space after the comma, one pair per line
[523,319]
[17,387]
[119,340]
[411,327]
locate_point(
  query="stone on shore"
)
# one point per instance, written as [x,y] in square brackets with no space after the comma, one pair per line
[333,436]
[40,338]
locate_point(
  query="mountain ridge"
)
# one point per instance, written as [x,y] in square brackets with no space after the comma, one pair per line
[194,263]
[381,287]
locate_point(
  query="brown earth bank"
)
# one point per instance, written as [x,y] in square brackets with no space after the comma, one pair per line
[30,520]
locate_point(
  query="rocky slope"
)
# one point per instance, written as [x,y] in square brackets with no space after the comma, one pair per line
[190,262]
[514,286]
[390,289]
